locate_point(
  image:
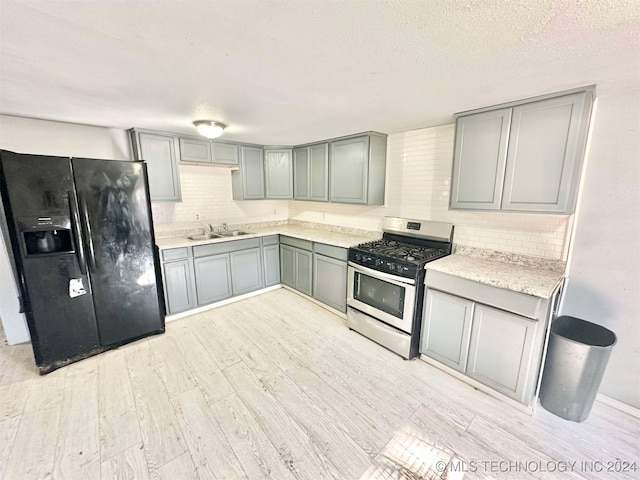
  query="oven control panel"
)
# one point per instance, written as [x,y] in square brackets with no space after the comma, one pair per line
[377,263]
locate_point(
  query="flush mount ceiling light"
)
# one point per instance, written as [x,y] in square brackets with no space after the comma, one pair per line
[209,128]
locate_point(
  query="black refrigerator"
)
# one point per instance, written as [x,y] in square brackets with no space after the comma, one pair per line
[82,240]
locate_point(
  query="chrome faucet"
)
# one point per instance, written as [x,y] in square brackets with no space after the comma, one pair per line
[211,228]
[225,227]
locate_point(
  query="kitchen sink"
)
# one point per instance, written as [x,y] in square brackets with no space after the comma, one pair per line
[232,233]
[204,236]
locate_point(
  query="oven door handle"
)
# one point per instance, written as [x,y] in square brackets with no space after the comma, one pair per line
[396,280]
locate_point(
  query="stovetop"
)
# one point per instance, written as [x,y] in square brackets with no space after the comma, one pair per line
[397,257]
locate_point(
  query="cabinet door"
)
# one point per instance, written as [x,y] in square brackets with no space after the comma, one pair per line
[479,160]
[162,169]
[304,262]
[213,278]
[545,155]
[178,286]
[301,173]
[225,153]
[278,169]
[319,172]
[288,265]
[330,281]
[271,258]
[349,164]
[500,350]
[193,150]
[446,329]
[252,173]
[246,271]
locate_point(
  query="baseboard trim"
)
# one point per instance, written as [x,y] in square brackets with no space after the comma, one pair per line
[618,405]
[193,311]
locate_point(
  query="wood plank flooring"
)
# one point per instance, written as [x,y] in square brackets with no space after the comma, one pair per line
[276,387]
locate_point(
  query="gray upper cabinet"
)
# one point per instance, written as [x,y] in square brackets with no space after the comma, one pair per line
[546,146]
[301,173]
[205,151]
[246,271]
[523,157]
[278,171]
[311,172]
[195,150]
[159,152]
[446,329]
[248,181]
[357,169]
[479,160]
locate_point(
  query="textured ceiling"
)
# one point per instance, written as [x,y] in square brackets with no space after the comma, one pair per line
[288,72]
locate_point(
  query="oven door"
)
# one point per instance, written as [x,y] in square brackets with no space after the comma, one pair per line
[388,298]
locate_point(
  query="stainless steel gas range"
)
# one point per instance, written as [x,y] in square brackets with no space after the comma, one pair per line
[385,281]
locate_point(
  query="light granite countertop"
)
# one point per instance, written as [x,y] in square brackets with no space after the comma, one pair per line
[312,232]
[534,276]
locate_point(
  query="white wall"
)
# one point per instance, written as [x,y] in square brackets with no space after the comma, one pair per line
[604,268]
[418,175]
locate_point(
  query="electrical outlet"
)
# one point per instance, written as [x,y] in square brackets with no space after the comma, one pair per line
[196,217]
[324,215]
[274,212]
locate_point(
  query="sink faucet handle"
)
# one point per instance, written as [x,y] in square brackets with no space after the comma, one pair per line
[210,228]
[225,227]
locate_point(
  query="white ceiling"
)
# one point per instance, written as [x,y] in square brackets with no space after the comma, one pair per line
[288,72]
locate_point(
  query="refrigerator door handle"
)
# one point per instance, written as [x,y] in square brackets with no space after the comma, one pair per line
[87,232]
[77,233]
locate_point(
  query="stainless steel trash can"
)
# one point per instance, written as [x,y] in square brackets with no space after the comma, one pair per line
[577,356]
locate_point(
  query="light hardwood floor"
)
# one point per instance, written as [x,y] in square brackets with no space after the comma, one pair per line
[277,387]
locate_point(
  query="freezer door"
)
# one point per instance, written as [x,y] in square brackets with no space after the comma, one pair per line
[117,229]
[61,317]
[38,185]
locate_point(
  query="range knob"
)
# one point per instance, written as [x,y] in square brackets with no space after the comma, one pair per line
[378,262]
[358,257]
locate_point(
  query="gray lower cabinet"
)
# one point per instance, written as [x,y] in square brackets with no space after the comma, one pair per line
[500,352]
[213,278]
[159,151]
[357,169]
[523,157]
[446,329]
[271,260]
[248,180]
[296,266]
[278,172]
[246,271]
[330,281]
[178,286]
[492,335]
[311,172]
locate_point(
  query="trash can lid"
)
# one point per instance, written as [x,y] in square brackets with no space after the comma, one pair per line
[582,331]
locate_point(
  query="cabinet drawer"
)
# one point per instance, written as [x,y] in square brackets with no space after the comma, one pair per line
[270,240]
[338,253]
[225,247]
[520,303]
[296,242]
[175,254]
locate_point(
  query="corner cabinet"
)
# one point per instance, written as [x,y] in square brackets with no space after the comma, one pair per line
[525,157]
[357,169]
[311,173]
[271,260]
[296,259]
[278,171]
[159,151]
[330,275]
[491,335]
[248,181]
